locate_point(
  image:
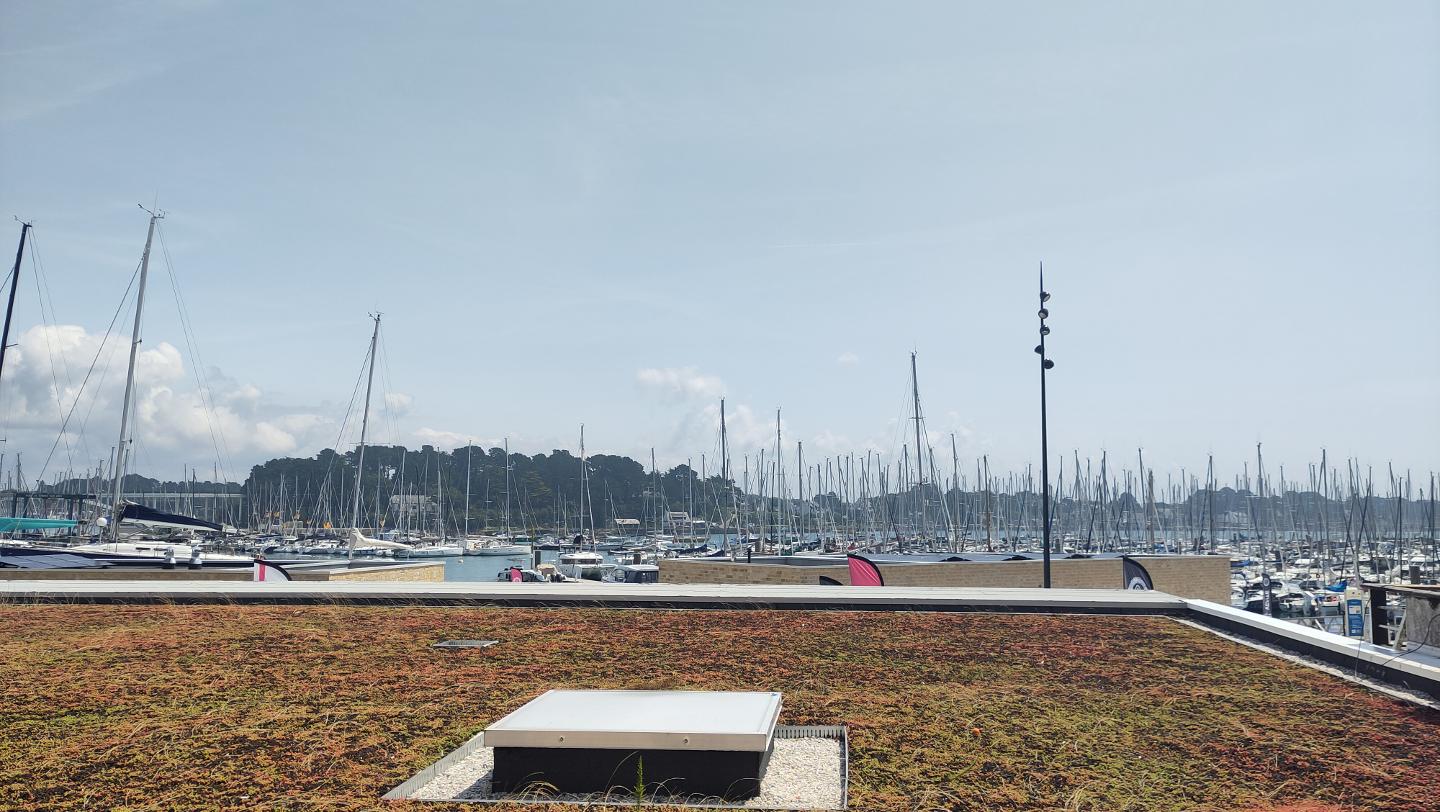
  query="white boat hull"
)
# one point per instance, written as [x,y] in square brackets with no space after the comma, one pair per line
[510,550]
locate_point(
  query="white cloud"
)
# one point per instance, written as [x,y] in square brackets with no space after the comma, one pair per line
[303,423]
[829,443]
[847,359]
[172,422]
[398,404]
[272,439]
[686,382]
[444,440]
[745,429]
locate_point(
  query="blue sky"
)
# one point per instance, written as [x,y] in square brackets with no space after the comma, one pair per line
[614,213]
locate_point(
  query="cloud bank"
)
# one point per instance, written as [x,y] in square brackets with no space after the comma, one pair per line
[175,419]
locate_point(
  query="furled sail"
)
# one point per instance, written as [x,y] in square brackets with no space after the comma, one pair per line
[139,514]
[358,540]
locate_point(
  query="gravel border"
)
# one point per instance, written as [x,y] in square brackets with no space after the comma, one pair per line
[804,773]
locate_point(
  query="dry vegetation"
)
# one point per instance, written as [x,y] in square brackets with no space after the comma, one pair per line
[326,707]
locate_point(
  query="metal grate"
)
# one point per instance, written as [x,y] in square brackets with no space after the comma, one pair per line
[464,644]
[809,731]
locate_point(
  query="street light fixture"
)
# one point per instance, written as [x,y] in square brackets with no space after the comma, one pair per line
[1045,364]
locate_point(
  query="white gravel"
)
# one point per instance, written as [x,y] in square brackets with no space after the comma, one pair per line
[467,778]
[803,774]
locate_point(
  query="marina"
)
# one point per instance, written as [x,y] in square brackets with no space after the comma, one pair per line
[621,405]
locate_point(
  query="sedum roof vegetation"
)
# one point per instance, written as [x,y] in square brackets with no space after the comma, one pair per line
[327,707]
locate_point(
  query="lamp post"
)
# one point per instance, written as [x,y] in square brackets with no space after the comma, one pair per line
[1045,364]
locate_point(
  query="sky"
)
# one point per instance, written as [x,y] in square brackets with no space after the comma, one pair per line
[614,214]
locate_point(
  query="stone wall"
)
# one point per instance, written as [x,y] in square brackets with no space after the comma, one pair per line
[428,571]
[1205,577]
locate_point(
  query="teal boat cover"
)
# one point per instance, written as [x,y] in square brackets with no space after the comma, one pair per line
[17,524]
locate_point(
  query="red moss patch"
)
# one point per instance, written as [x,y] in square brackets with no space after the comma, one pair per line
[322,707]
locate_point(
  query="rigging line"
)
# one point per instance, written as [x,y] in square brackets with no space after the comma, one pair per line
[385,380]
[350,410]
[5,391]
[99,352]
[5,400]
[45,323]
[42,288]
[900,429]
[43,284]
[100,384]
[192,345]
[202,379]
[385,413]
[384,416]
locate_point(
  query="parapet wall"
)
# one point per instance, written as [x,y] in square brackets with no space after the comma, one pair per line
[1206,577]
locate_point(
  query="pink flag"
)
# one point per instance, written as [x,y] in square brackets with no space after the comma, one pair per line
[515,576]
[863,571]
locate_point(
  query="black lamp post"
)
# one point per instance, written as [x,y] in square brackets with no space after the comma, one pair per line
[1045,364]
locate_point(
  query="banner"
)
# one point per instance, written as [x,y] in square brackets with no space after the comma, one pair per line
[268,572]
[863,571]
[1136,576]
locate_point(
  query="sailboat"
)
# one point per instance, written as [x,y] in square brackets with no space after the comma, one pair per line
[441,547]
[122,512]
[358,541]
[24,524]
[484,544]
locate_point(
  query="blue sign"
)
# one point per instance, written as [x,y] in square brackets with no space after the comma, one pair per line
[1355,618]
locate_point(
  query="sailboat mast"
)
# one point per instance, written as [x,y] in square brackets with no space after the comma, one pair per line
[129,379]
[919,454]
[779,480]
[364,426]
[584,490]
[1255,522]
[800,490]
[725,476]
[468,447]
[956,527]
[14,283]
[379,478]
